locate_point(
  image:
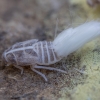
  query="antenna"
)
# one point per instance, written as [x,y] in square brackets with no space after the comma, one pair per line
[56,28]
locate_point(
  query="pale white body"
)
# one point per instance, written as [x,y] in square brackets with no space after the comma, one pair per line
[36,53]
[33,53]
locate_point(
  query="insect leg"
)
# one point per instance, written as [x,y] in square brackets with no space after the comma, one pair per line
[39,73]
[50,68]
[19,68]
[80,71]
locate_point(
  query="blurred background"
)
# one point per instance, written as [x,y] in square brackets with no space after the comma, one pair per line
[37,18]
[22,20]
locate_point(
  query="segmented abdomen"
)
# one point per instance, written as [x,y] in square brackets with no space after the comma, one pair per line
[32,52]
[46,53]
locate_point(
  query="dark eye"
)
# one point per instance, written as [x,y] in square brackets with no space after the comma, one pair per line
[11,58]
[31,52]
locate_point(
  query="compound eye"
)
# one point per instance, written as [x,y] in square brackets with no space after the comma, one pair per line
[11,58]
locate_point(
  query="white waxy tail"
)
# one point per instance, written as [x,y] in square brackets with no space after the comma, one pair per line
[73,38]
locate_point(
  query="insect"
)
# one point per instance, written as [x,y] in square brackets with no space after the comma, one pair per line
[38,54]
[34,53]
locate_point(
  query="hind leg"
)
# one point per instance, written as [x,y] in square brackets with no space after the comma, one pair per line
[50,68]
[33,69]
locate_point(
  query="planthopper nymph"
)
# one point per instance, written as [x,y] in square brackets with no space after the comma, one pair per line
[39,54]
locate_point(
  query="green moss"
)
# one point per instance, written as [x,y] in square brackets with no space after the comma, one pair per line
[91,13]
[90,57]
